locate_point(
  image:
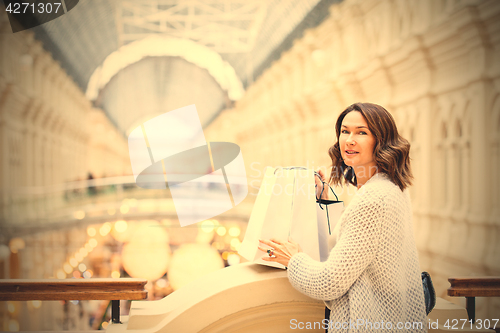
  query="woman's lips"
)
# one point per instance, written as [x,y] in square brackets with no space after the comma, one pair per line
[351,152]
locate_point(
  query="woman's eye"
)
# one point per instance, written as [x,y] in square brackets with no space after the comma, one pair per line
[344,132]
[363,133]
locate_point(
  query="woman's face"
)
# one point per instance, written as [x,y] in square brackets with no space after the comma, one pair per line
[357,143]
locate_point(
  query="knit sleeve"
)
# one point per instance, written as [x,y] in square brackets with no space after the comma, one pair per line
[355,250]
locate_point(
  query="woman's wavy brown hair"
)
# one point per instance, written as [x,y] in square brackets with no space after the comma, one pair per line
[391,151]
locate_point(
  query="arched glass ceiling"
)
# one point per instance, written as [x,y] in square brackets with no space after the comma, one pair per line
[160,45]
[247,34]
[156,85]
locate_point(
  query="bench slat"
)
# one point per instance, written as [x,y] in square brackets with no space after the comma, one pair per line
[72,289]
[474,286]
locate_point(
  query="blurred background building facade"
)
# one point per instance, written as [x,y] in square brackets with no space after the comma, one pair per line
[71,90]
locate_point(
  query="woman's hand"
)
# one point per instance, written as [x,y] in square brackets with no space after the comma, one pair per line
[319,186]
[279,251]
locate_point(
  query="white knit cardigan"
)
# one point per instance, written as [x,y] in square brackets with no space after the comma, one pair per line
[371,280]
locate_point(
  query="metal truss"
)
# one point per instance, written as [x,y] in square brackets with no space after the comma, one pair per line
[226,26]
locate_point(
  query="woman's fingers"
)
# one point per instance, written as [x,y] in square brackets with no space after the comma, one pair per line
[270,246]
[274,243]
[282,250]
[266,249]
[265,241]
[263,248]
[278,244]
[321,174]
[321,189]
[278,241]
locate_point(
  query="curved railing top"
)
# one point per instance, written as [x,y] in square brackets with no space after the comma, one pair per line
[235,296]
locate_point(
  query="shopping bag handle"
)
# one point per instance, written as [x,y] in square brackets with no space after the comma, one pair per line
[318,200]
[290,168]
[324,183]
[322,201]
[316,174]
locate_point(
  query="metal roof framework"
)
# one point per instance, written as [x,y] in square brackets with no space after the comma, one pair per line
[226,26]
[248,36]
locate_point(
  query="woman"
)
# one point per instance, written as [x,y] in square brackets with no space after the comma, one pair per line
[371,279]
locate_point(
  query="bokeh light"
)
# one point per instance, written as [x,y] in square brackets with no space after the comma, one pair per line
[207,226]
[79,214]
[16,244]
[234,231]
[83,252]
[218,245]
[4,252]
[73,262]
[204,237]
[60,274]
[147,253]
[124,209]
[233,259]
[105,229]
[13,325]
[192,261]
[221,231]
[161,283]
[91,231]
[78,257]
[235,244]
[121,226]
[124,234]
[67,268]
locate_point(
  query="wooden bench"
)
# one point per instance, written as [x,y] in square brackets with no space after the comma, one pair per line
[75,289]
[471,287]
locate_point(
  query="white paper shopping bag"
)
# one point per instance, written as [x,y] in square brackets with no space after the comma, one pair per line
[328,213]
[285,207]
